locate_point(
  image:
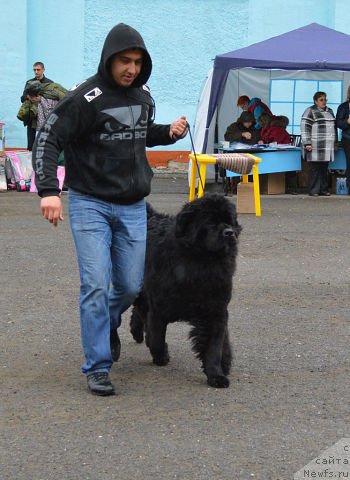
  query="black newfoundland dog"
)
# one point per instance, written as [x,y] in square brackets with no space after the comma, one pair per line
[190,261]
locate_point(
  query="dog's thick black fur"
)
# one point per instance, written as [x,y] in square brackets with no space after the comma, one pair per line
[190,261]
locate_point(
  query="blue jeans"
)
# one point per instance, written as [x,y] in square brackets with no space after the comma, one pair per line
[110,240]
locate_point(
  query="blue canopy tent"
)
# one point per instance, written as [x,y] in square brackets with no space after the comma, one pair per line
[313,52]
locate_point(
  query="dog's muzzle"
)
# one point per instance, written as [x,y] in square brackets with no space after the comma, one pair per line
[229,232]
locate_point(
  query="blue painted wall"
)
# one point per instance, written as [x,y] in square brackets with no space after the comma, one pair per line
[183,37]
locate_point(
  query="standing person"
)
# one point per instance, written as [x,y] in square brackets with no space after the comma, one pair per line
[41,100]
[38,69]
[254,105]
[343,122]
[104,126]
[319,137]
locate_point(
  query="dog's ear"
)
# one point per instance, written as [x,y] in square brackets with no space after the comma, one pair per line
[183,220]
[185,229]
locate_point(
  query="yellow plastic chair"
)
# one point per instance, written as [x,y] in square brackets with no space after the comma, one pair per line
[222,159]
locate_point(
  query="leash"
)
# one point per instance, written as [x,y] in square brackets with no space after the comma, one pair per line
[195,155]
[238,163]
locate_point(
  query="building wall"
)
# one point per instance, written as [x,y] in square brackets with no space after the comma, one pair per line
[13,64]
[55,35]
[278,17]
[182,37]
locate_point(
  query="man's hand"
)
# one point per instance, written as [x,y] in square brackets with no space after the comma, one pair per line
[51,209]
[178,129]
[247,135]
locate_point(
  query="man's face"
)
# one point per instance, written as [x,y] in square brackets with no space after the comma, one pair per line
[126,66]
[244,106]
[38,71]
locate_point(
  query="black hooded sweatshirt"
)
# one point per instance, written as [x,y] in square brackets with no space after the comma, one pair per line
[104,130]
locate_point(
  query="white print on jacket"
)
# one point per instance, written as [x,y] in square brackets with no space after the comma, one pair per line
[127,123]
[92,94]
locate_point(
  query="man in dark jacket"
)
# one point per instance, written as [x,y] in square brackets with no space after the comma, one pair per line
[104,126]
[38,69]
[343,122]
[243,130]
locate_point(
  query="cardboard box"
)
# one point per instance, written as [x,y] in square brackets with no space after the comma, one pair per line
[245,198]
[273,183]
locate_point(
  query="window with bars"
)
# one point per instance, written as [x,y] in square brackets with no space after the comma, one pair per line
[291,98]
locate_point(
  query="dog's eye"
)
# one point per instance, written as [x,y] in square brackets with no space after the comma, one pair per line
[209,226]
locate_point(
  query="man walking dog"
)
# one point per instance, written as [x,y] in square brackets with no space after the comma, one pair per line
[104,126]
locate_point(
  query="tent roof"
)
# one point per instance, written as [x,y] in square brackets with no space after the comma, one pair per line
[313,47]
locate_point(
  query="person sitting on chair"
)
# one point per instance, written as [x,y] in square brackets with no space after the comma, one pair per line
[274,129]
[243,130]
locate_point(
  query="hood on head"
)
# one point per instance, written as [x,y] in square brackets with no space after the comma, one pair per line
[279,121]
[123,37]
[247,117]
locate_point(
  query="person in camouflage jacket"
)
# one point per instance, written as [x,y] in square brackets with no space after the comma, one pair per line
[43,97]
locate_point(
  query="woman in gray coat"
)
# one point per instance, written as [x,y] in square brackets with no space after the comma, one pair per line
[319,137]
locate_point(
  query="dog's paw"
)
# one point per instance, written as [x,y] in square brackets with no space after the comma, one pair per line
[137,326]
[160,355]
[218,381]
[137,335]
[161,359]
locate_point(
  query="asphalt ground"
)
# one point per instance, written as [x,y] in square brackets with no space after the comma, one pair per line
[289,324]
